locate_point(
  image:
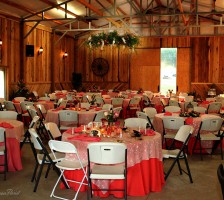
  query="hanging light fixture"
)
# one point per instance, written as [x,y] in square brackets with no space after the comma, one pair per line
[0,42]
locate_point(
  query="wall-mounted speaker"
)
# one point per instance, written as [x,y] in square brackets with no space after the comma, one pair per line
[30,50]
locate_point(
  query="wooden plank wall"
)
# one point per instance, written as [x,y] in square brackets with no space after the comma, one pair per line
[42,74]
[10,59]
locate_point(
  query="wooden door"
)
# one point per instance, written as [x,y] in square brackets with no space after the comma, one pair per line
[145,69]
[183,69]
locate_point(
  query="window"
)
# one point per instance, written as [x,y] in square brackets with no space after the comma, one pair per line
[168,70]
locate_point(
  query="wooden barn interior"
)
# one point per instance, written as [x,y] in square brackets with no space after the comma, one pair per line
[197,34]
[48,47]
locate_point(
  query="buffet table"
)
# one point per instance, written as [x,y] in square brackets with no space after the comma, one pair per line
[195,122]
[14,131]
[145,167]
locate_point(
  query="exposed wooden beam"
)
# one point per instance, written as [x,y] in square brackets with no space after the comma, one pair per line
[64,10]
[119,9]
[182,11]
[18,6]
[159,3]
[98,12]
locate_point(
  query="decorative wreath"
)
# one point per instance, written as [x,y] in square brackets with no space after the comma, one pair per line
[112,38]
[100,66]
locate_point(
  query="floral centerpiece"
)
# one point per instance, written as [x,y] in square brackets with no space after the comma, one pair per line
[189,114]
[111,116]
[113,39]
[140,91]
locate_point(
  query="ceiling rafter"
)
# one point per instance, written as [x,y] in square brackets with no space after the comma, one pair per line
[23,8]
[97,11]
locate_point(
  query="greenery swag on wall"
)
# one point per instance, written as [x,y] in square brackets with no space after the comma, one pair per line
[113,39]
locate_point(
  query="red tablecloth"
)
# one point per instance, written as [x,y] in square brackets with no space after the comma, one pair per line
[145,167]
[195,122]
[13,136]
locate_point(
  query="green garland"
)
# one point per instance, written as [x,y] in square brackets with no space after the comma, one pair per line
[112,38]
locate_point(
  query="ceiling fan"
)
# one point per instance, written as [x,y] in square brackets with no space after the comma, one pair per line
[87,17]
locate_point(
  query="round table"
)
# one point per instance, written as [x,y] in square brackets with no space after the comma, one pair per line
[13,136]
[195,122]
[145,167]
[84,116]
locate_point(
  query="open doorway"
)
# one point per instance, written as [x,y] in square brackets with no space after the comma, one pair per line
[168,70]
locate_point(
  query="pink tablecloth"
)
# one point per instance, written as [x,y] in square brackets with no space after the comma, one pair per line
[13,136]
[47,104]
[145,168]
[84,116]
[195,122]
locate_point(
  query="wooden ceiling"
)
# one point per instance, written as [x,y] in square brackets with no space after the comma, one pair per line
[140,17]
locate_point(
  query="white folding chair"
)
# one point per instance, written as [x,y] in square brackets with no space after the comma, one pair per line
[45,98]
[99,101]
[26,138]
[172,109]
[24,105]
[42,157]
[133,106]
[107,106]
[214,108]
[200,109]
[67,119]
[117,110]
[62,102]
[20,99]
[42,111]
[151,112]
[9,105]
[99,116]
[136,123]
[143,115]
[3,151]
[53,130]
[66,164]
[8,114]
[174,103]
[209,131]
[85,105]
[117,102]
[171,126]
[182,136]
[107,160]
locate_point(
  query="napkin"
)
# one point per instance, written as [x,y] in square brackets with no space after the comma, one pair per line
[15,101]
[76,130]
[189,121]
[84,137]
[205,102]
[150,132]
[6,125]
[167,114]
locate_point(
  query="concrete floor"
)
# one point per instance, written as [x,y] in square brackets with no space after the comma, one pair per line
[206,186]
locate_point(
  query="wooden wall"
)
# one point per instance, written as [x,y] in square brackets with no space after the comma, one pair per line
[50,71]
[38,71]
[206,62]
[10,58]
